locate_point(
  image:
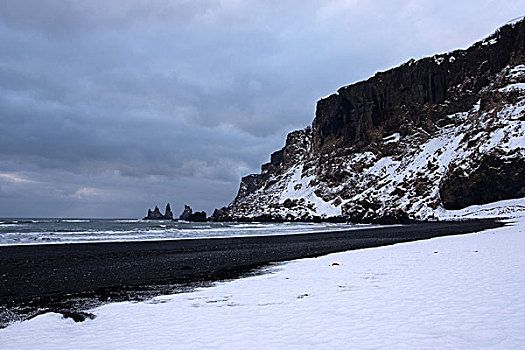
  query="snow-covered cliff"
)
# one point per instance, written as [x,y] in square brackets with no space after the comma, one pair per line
[446,131]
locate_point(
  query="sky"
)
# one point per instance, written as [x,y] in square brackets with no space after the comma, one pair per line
[108,108]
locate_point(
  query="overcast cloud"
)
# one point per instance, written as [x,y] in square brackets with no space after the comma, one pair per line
[110,107]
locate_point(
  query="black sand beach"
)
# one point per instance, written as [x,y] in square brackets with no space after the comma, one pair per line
[38,274]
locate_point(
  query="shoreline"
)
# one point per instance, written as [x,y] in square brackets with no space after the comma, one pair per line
[155,240]
[34,277]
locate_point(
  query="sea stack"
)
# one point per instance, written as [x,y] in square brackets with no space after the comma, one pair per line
[157,215]
[168,213]
[189,215]
[186,213]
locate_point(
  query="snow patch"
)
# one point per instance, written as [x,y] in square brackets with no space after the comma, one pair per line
[384,166]
[511,87]
[392,138]
[511,208]
[489,42]
[298,187]
[517,71]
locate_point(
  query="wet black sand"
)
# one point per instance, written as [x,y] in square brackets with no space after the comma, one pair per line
[43,275]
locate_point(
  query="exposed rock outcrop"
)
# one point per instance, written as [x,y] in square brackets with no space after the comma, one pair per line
[186,213]
[496,176]
[189,215]
[443,131]
[220,215]
[157,215]
[198,216]
[168,214]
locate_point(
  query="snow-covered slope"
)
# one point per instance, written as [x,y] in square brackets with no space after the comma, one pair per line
[458,292]
[443,132]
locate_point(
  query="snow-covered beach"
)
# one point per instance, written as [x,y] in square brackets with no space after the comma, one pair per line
[449,292]
[389,214]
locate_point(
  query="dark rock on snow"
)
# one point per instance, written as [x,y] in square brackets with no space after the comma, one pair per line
[495,177]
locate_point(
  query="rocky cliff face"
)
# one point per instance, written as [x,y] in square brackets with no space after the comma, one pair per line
[446,131]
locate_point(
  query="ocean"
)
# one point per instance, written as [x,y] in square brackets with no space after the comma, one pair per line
[54,231]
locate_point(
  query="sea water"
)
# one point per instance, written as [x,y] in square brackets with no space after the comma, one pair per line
[49,231]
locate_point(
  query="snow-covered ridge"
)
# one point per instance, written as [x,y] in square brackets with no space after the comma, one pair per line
[407,180]
[442,132]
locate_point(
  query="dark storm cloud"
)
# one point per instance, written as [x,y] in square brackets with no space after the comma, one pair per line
[109,107]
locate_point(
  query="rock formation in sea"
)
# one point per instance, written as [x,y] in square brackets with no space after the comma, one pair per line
[186,213]
[157,215]
[168,213]
[198,216]
[442,132]
[189,215]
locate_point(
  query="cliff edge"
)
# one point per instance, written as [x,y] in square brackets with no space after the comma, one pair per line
[442,132]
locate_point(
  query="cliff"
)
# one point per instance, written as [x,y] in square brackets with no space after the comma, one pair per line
[445,131]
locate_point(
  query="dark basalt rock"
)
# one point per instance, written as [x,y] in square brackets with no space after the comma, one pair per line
[157,215]
[413,94]
[249,184]
[220,215]
[189,215]
[198,216]
[495,177]
[280,161]
[168,213]
[394,217]
[267,218]
[186,214]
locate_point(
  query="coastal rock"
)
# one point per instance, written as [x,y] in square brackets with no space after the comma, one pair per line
[220,215]
[154,215]
[444,131]
[496,176]
[186,214]
[198,216]
[157,215]
[168,214]
[189,215]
